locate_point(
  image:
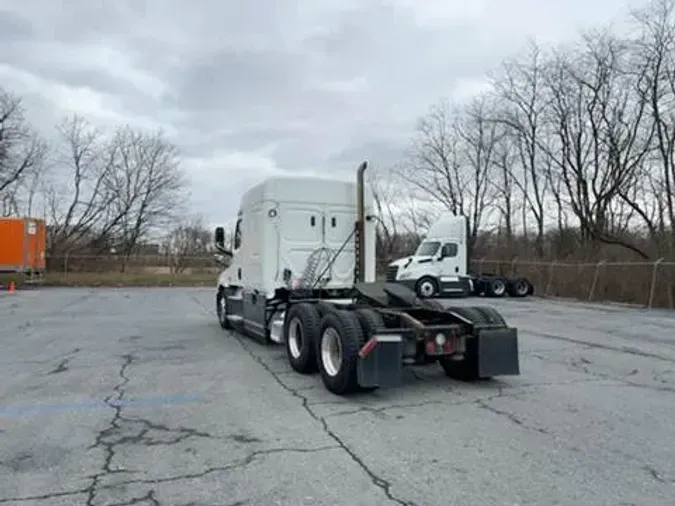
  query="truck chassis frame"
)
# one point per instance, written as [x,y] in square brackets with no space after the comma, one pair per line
[361,338]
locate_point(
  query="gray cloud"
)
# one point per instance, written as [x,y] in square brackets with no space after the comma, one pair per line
[247,88]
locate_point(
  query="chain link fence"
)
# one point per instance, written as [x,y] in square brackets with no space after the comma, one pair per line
[137,264]
[648,284]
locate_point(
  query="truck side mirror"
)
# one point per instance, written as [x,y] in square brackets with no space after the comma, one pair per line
[220,237]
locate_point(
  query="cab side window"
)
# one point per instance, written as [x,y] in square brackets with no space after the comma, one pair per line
[449,250]
[237,235]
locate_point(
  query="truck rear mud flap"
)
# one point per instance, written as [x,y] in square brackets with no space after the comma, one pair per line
[497,352]
[380,362]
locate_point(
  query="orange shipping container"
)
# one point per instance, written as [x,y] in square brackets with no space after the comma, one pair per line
[22,245]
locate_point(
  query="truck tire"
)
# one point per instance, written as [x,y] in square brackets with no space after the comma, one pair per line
[470,313]
[426,287]
[221,309]
[432,304]
[324,308]
[467,369]
[478,286]
[339,344]
[495,287]
[371,322]
[301,331]
[518,287]
[490,315]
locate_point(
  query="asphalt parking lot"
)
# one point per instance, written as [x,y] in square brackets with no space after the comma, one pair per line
[136,396]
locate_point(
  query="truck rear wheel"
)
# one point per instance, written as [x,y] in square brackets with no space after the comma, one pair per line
[338,347]
[490,315]
[301,330]
[324,308]
[371,322]
[467,368]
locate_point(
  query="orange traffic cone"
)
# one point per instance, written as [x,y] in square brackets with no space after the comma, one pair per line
[12,287]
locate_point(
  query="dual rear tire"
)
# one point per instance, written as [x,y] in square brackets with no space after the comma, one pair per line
[328,339]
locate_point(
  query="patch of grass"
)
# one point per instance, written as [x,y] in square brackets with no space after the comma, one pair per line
[116,279]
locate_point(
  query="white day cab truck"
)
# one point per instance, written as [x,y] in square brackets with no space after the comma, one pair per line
[302,273]
[440,266]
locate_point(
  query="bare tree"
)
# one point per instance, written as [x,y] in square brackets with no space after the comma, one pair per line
[451,157]
[146,185]
[385,195]
[520,88]
[79,203]
[655,57]
[504,182]
[22,154]
[480,136]
[598,118]
[189,239]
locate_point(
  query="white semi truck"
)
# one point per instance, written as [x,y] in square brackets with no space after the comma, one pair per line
[440,266]
[302,273]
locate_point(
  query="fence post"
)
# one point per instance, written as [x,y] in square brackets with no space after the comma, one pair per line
[591,292]
[652,288]
[65,265]
[513,266]
[550,276]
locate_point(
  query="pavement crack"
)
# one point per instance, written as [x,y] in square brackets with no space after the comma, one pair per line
[44,497]
[239,464]
[140,431]
[148,498]
[63,365]
[656,475]
[102,438]
[378,481]
[617,349]
[483,404]
[382,409]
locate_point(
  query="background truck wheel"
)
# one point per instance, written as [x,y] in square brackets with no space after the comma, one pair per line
[339,341]
[495,287]
[478,287]
[301,330]
[426,287]
[519,287]
[221,309]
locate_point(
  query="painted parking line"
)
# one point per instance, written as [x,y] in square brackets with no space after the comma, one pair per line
[39,409]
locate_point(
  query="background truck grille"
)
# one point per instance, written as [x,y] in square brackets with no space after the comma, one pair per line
[392,271]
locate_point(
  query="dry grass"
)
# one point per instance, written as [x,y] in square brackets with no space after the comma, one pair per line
[117,279]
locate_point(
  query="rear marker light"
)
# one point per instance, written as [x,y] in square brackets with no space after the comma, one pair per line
[367,348]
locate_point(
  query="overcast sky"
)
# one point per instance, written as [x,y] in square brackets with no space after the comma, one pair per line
[248,88]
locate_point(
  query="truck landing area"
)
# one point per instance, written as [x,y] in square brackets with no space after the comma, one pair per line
[137,396]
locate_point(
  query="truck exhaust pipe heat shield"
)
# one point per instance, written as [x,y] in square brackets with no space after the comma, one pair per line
[360,223]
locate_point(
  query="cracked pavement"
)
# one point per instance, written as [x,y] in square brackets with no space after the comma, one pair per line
[114,397]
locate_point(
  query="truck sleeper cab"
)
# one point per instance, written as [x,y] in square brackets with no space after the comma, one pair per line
[303,274]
